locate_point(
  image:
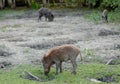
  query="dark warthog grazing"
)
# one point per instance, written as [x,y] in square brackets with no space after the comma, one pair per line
[59,54]
[46,13]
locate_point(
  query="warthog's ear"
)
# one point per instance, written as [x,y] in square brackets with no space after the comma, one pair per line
[44,56]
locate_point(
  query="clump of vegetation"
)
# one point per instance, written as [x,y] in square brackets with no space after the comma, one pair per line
[89,56]
[35,5]
[88,52]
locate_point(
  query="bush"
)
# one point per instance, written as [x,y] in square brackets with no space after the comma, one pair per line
[110,4]
[35,5]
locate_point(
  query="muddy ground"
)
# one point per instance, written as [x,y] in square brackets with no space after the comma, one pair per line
[24,40]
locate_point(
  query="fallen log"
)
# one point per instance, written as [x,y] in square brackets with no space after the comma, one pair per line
[30,76]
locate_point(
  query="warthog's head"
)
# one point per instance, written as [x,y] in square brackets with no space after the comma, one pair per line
[46,65]
[50,16]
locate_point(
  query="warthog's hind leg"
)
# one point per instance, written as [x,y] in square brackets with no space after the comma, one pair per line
[74,66]
[57,66]
[60,67]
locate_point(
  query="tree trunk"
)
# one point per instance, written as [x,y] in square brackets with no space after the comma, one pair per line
[89,4]
[80,4]
[2,4]
[12,3]
[44,2]
[61,1]
[28,2]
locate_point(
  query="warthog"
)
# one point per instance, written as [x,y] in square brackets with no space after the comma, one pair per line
[105,15]
[46,13]
[59,54]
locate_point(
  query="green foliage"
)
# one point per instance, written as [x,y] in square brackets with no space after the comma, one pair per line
[35,5]
[110,4]
[92,2]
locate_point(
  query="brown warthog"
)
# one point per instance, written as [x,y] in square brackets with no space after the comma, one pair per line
[59,54]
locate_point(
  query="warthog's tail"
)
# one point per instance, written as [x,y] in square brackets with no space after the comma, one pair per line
[81,56]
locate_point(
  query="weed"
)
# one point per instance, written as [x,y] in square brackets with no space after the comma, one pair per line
[88,52]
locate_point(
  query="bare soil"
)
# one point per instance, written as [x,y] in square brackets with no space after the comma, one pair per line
[24,40]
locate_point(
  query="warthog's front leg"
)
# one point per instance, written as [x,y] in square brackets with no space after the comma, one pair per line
[39,18]
[57,67]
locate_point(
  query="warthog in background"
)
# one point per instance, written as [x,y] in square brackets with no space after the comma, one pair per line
[46,13]
[60,54]
[105,15]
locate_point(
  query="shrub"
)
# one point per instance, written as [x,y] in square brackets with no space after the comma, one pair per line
[35,5]
[110,4]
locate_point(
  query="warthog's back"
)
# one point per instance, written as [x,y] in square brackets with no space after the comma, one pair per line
[44,10]
[64,52]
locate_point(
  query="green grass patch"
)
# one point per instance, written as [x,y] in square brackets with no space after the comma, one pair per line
[84,73]
[11,12]
[114,17]
[96,16]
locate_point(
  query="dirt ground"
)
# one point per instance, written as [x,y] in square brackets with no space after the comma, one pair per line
[24,40]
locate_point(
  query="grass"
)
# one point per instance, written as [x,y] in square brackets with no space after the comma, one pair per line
[12,12]
[96,16]
[6,28]
[84,73]
[12,26]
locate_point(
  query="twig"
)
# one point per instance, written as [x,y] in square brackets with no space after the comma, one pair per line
[109,61]
[32,77]
[95,80]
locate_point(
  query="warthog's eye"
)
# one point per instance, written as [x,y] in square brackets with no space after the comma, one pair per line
[45,65]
